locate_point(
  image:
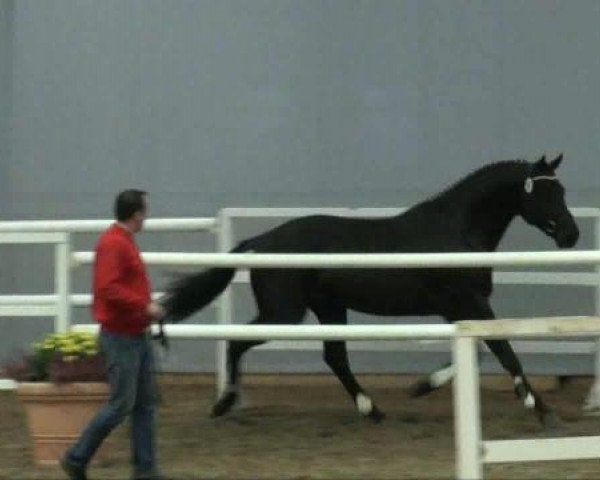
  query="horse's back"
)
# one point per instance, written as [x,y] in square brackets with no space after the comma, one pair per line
[409,232]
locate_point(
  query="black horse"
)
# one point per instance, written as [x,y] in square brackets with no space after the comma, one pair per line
[470,216]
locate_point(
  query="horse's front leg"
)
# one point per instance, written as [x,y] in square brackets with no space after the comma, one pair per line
[461,306]
[508,359]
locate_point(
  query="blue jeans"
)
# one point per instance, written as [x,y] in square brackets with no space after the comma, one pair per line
[130,367]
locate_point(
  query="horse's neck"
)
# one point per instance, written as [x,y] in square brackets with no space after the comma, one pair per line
[489,214]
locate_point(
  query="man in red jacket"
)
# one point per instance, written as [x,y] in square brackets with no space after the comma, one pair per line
[123,307]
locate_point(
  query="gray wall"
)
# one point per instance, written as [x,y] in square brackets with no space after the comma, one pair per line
[6,9]
[6,12]
[217,103]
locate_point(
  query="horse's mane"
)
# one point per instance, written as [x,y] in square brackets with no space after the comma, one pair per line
[486,178]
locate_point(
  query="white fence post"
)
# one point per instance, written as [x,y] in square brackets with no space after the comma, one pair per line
[593,400]
[62,283]
[467,417]
[225,302]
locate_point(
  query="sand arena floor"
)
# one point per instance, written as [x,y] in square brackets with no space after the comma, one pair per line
[305,427]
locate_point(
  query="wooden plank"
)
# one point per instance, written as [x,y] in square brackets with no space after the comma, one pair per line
[530,327]
[539,449]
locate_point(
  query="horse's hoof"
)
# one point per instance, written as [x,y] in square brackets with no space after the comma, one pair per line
[225,403]
[420,389]
[521,391]
[549,420]
[376,415]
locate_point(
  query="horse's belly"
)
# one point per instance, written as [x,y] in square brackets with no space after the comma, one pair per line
[380,292]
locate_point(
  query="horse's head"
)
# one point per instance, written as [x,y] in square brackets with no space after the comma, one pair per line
[543,203]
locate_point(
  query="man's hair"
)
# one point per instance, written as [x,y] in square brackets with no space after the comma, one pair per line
[128,203]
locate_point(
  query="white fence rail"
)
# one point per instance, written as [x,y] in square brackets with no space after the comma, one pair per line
[365,260]
[91,226]
[300,332]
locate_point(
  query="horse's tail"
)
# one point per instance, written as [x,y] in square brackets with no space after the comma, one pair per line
[193,292]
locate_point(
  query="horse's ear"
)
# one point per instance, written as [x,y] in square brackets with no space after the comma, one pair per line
[540,166]
[556,162]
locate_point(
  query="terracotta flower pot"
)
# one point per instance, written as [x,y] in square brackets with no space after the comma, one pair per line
[58,413]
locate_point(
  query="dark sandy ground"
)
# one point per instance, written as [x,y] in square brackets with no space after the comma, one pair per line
[306,428]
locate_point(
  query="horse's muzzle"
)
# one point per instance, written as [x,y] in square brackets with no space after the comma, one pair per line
[567,233]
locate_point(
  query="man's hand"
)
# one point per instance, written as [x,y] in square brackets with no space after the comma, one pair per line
[155,310]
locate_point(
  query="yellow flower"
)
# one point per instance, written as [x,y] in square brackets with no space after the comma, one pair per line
[70,344]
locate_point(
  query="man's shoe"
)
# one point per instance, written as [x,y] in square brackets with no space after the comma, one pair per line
[74,472]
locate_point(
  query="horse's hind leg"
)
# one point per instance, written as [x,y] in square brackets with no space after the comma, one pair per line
[272,313]
[336,357]
[230,395]
[433,381]
[280,298]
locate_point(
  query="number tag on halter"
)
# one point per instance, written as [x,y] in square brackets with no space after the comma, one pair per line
[529,181]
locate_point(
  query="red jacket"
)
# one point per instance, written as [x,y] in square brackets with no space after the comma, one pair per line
[120,284]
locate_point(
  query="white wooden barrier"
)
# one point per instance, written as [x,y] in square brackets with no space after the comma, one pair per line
[364,260]
[90,226]
[226,235]
[471,452]
[370,260]
[468,430]
[298,332]
[56,305]
[58,233]
[222,226]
